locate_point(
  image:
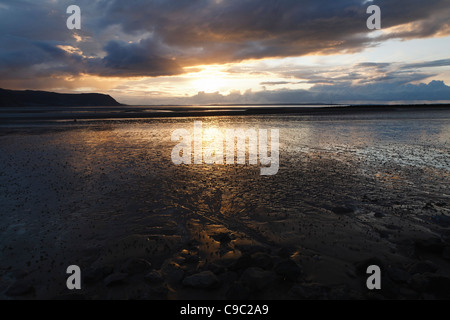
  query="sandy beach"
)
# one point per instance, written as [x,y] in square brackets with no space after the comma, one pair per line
[354,188]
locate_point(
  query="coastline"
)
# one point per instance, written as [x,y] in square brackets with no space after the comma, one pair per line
[36,114]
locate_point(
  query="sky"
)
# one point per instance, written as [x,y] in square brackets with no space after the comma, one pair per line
[146,52]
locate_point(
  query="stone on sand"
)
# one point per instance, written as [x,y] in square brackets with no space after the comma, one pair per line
[202,280]
[289,270]
[154,277]
[256,278]
[135,266]
[172,272]
[262,260]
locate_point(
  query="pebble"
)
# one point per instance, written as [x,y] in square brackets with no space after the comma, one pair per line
[135,266]
[173,273]
[154,277]
[262,260]
[202,280]
[289,270]
[285,252]
[256,278]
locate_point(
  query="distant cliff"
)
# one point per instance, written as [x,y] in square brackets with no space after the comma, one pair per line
[11,98]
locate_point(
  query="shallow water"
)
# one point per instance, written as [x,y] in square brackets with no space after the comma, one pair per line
[103,191]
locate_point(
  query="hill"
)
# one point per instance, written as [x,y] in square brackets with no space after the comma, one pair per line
[28,98]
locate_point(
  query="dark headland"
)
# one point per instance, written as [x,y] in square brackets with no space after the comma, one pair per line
[28,98]
[44,106]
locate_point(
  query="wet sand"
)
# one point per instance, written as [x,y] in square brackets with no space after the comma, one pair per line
[354,189]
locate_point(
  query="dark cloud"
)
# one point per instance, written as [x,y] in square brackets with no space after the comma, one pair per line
[142,59]
[428,64]
[366,93]
[154,37]
[274,83]
[206,31]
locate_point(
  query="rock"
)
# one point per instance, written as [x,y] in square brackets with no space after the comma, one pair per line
[237,292]
[223,238]
[379,215]
[115,279]
[285,253]
[135,266]
[172,272]
[20,288]
[193,244]
[258,259]
[154,277]
[422,267]
[192,259]
[428,205]
[96,275]
[242,263]
[202,280]
[289,270]
[262,260]
[179,260]
[251,249]
[256,278]
[216,268]
[228,277]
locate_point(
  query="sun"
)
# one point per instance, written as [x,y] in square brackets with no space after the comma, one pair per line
[209,84]
[210,79]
